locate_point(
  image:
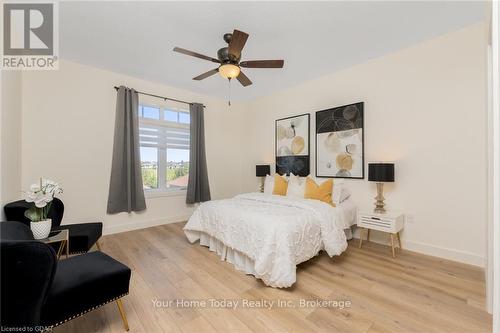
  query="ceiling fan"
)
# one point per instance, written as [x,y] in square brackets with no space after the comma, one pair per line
[229,58]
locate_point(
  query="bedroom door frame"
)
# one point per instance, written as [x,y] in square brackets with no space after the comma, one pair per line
[492,270]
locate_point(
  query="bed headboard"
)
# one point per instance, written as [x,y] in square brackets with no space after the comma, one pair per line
[298,165]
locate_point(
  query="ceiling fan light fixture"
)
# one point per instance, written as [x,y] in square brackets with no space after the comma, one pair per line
[228,59]
[229,71]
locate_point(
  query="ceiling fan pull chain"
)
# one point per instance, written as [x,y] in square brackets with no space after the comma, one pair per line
[229,98]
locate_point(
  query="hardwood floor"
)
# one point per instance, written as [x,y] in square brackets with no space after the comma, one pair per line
[411,293]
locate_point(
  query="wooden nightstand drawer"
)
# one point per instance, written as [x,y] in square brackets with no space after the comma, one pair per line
[380,223]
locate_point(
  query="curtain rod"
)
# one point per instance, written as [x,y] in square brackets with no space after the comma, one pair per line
[162,97]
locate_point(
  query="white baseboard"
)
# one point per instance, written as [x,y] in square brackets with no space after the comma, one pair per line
[433,250]
[440,252]
[114,229]
[445,253]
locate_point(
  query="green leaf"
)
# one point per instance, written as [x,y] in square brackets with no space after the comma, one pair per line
[33,214]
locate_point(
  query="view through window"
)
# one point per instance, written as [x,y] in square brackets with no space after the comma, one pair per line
[164,141]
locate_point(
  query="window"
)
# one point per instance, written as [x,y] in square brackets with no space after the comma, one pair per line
[164,141]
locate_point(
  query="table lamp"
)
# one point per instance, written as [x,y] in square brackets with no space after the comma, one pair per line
[262,171]
[380,173]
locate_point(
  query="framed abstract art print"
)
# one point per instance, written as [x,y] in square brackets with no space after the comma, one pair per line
[340,142]
[292,145]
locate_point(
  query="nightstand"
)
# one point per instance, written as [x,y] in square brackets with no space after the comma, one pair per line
[390,222]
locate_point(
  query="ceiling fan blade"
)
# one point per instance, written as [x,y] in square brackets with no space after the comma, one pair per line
[205,75]
[263,64]
[244,80]
[195,54]
[237,43]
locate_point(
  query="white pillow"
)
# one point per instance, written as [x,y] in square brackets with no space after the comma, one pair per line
[340,191]
[346,193]
[296,187]
[269,184]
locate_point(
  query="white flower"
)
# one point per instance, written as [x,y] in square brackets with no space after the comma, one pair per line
[51,187]
[41,203]
[39,198]
[42,195]
[29,196]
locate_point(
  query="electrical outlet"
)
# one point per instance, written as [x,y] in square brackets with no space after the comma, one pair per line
[410,218]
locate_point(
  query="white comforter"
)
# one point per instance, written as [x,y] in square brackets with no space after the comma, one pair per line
[276,232]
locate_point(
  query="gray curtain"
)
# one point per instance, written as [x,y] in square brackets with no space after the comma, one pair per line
[126,193]
[198,189]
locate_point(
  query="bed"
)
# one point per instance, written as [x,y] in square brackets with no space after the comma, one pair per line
[269,235]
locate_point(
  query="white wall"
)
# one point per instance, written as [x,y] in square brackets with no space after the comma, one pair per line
[10,142]
[68,123]
[425,109]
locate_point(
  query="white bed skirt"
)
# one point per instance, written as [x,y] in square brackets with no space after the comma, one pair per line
[239,260]
[348,233]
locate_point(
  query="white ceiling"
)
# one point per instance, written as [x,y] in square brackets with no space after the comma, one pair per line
[314,38]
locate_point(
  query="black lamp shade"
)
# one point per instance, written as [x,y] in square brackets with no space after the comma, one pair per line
[262,170]
[381,172]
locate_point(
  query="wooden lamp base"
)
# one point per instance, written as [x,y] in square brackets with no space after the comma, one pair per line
[379,203]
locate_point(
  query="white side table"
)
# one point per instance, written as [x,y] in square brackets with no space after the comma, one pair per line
[390,222]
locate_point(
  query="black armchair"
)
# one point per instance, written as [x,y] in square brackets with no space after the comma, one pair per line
[82,236]
[38,292]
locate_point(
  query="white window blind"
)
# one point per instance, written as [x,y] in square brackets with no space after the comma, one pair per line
[164,140]
[163,135]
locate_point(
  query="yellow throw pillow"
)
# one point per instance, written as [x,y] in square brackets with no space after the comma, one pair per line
[321,192]
[280,185]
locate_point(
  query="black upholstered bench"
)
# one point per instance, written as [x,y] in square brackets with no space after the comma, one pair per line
[39,291]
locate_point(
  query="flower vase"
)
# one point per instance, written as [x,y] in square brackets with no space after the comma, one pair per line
[41,229]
